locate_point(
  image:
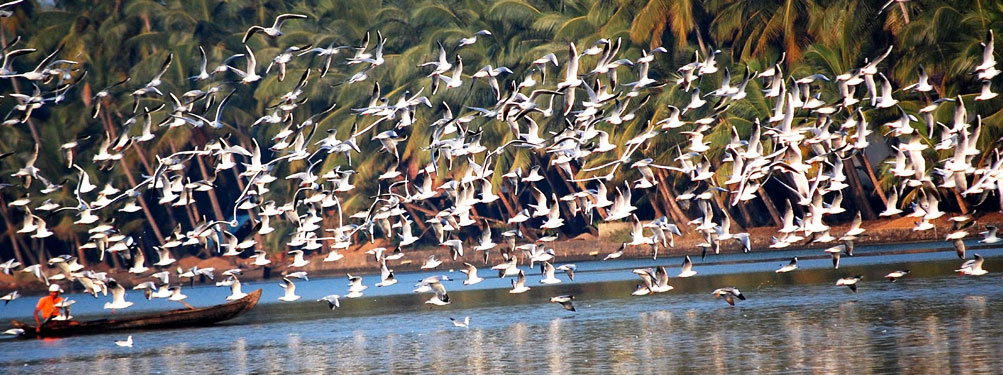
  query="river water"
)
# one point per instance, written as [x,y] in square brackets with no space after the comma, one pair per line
[932,321]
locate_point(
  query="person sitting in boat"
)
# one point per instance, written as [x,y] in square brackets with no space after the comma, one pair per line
[47,306]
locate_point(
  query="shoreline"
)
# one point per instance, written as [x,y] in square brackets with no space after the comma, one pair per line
[356,261]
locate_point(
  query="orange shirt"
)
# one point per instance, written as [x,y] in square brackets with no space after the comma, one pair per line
[48,307]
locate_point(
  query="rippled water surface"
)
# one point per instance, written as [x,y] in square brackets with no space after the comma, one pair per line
[933,321]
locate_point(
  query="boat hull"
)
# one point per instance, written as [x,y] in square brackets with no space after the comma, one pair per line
[181,318]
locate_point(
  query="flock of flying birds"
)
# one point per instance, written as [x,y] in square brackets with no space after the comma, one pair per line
[806,156]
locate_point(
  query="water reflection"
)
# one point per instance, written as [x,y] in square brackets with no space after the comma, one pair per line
[791,323]
[239,352]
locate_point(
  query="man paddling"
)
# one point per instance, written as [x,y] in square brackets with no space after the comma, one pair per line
[47,306]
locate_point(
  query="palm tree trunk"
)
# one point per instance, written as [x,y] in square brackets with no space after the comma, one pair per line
[655,206]
[17,89]
[857,189]
[11,232]
[503,196]
[700,42]
[212,193]
[745,214]
[962,205]
[410,209]
[874,179]
[132,180]
[772,208]
[724,208]
[678,216]
[81,255]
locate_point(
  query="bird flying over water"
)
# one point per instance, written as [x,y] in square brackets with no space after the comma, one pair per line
[565,301]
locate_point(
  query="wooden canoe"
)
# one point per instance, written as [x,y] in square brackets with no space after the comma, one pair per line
[181,318]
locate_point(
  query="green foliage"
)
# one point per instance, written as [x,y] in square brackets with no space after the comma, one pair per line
[112,40]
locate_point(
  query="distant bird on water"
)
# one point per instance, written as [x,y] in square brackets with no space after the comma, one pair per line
[126,343]
[465,323]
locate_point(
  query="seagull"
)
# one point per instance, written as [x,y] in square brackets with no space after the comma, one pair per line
[328,54]
[729,294]
[959,247]
[442,65]
[465,323]
[333,301]
[235,292]
[298,260]
[834,252]
[660,280]
[203,73]
[430,262]
[616,254]
[260,258]
[988,236]
[36,270]
[571,79]
[648,283]
[988,58]
[548,274]
[439,298]
[355,286]
[42,70]
[895,275]
[455,247]
[569,269]
[850,282]
[519,284]
[473,39]
[972,267]
[137,263]
[299,275]
[283,59]
[687,269]
[176,294]
[274,30]
[793,265]
[8,266]
[126,343]
[987,92]
[165,258]
[250,75]
[471,273]
[290,289]
[386,276]
[10,297]
[118,296]
[4,12]
[565,301]
[485,243]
